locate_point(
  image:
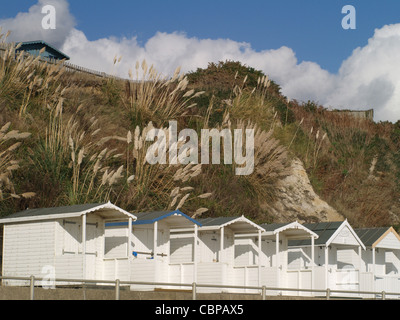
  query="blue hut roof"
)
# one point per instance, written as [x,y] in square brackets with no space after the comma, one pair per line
[152,217]
[34,47]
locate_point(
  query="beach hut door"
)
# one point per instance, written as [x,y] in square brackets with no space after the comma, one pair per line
[91,253]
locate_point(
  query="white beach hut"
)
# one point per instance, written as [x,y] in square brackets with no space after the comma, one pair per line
[66,242]
[214,252]
[142,251]
[381,259]
[270,258]
[338,256]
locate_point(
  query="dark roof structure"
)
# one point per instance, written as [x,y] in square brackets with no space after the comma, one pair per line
[108,209]
[273,226]
[34,47]
[324,230]
[238,224]
[151,217]
[370,235]
[154,216]
[292,230]
[219,221]
[53,211]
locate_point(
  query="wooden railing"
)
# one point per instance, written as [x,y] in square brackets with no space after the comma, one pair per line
[71,67]
[35,282]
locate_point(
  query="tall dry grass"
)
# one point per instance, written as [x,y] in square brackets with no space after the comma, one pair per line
[157,186]
[70,157]
[24,77]
[340,152]
[252,104]
[10,141]
[153,97]
[271,159]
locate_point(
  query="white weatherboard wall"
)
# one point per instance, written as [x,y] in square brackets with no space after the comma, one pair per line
[182,267]
[36,248]
[144,267]
[116,259]
[27,249]
[116,242]
[382,262]
[182,248]
[339,257]
[345,237]
[300,258]
[69,248]
[215,266]
[246,252]
[142,240]
[209,247]
[389,242]
[392,262]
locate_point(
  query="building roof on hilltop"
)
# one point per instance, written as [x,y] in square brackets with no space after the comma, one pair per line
[30,44]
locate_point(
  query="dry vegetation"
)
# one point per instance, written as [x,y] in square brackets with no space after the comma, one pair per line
[70,138]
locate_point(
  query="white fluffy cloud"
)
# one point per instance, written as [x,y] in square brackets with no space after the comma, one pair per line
[27,26]
[369,78]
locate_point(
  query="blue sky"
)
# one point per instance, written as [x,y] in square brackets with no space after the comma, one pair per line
[312,28]
[300,44]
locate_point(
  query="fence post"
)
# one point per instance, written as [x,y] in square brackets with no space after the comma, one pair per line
[383,295]
[117,289]
[264,293]
[328,294]
[32,288]
[194,293]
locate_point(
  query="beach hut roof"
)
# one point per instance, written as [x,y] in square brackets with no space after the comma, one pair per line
[173,218]
[373,237]
[106,210]
[291,230]
[236,224]
[327,232]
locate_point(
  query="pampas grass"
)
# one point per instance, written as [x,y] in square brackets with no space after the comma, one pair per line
[160,186]
[68,141]
[271,161]
[252,104]
[152,97]
[8,163]
[26,76]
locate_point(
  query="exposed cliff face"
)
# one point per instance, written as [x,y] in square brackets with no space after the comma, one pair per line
[296,200]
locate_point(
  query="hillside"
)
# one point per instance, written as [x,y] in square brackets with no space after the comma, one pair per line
[70,138]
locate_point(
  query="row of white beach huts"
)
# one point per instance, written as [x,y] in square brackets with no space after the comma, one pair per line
[105,242]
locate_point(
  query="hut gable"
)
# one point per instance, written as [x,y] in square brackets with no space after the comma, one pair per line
[106,210]
[339,233]
[345,235]
[386,238]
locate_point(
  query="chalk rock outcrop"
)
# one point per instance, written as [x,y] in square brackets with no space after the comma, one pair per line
[297,200]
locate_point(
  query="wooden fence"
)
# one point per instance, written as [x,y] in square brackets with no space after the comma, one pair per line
[71,67]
